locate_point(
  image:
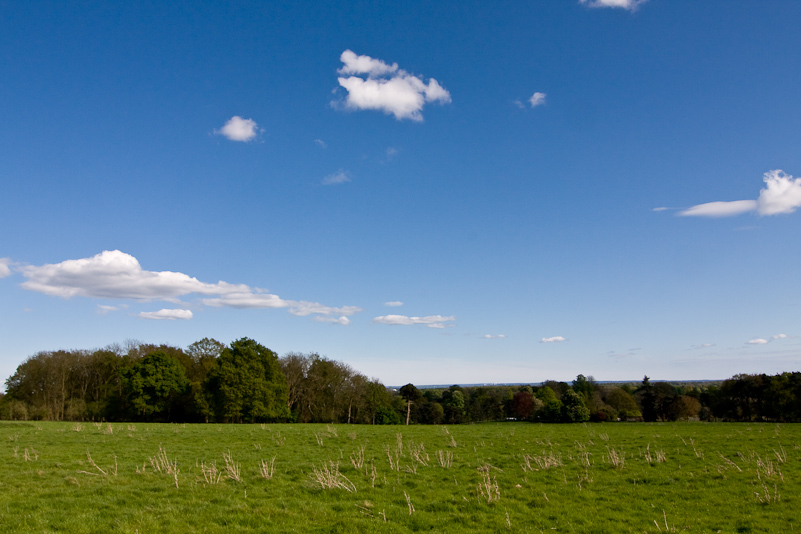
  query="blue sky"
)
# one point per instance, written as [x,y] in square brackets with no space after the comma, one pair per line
[431,192]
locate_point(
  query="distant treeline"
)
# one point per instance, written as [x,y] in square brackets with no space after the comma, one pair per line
[248,383]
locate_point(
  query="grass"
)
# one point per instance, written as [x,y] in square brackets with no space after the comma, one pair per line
[506,477]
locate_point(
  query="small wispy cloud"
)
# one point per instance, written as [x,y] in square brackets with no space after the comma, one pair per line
[393,303]
[757,341]
[781,195]
[5,269]
[320,143]
[344,321]
[431,321]
[104,309]
[373,84]
[339,177]
[167,315]
[779,336]
[630,5]
[661,208]
[239,129]
[702,346]
[496,336]
[537,99]
[555,339]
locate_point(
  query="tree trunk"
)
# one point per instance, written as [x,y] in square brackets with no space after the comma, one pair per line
[408,411]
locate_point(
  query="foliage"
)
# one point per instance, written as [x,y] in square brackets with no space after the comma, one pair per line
[247,384]
[153,384]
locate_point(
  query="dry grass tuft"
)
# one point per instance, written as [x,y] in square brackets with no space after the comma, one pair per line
[544,461]
[329,477]
[445,459]
[267,470]
[488,486]
[616,458]
[232,469]
[162,464]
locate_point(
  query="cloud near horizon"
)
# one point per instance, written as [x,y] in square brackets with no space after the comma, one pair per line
[431,321]
[781,194]
[373,84]
[239,129]
[113,274]
[555,339]
[167,315]
[630,5]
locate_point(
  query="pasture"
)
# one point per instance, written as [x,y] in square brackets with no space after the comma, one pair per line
[500,477]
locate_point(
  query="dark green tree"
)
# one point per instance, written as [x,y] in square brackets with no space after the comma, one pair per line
[247,384]
[154,384]
[573,408]
[410,394]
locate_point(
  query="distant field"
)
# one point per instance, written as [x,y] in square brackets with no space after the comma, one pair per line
[505,477]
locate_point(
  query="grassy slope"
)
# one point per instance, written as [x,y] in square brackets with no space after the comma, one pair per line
[708,481]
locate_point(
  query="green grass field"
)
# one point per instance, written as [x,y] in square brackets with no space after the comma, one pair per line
[505,477]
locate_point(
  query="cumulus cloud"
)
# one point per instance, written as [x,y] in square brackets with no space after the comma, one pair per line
[757,341]
[631,5]
[537,99]
[779,336]
[167,315]
[339,177]
[373,84]
[117,275]
[555,339]
[5,270]
[498,336]
[781,194]
[239,129]
[394,303]
[431,321]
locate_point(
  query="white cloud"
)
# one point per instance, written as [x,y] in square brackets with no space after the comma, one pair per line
[339,177]
[320,143]
[375,85]
[394,303]
[102,309]
[781,194]
[720,209]
[167,314]
[5,270]
[757,341]
[117,275]
[662,208]
[779,336]
[537,99]
[431,321]
[239,129]
[490,336]
[631,5]
[555,339]
[344,321]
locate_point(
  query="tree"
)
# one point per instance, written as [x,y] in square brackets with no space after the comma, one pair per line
[573,408]
[153,385]
[247,384]
[410,394]
[522,405]
[623,402]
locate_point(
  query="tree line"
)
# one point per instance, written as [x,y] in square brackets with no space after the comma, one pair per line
[246,382]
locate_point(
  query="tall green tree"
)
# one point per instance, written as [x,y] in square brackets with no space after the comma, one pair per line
[154,384]
[247,385]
